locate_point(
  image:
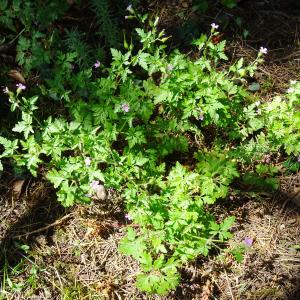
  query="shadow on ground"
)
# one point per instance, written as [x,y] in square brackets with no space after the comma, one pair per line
[24,218]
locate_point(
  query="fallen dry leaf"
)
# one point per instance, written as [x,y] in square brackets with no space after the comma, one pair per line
[15,74]
[101,193]
[17,187]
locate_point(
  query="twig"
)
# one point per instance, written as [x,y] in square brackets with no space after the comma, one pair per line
[57,222]
[229,286]
[5,47]
[288,57]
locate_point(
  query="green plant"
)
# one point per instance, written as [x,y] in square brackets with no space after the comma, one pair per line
[165,131]
[42,35]
[20,278]
[30,20]
[229,3]
[202,5]
[108,25]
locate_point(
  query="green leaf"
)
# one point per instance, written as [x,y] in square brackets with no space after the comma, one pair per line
[131,245]
[98,175]
[25,125]
[158,263]
[145,282]
[116,54]
[229,3]
[9,146]
[142,60]
[135,136]
[227,223]
[201,5]
[55,177]
[146,261]
[238,253]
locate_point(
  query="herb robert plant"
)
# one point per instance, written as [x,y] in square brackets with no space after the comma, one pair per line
[124,129]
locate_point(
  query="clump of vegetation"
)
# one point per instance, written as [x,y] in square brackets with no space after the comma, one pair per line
[166,131]
[203,5]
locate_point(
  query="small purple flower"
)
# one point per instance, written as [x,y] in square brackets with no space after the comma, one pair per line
[95,185]
[97,64]
[248,241]
[21,86]
[298,159]
[128,217]
[214,26]
[268,160]
[87,161]
[5,90]
[125,107]
[290,90]
[263,50]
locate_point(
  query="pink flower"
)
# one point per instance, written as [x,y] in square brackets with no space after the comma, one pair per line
[21,86]
[87,161]
[97,64]
[298,159]
[248,241]
[95,185]
[128,217]
[214,26]
[263,50]
[125,107]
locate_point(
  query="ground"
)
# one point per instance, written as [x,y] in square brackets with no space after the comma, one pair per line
[49,252]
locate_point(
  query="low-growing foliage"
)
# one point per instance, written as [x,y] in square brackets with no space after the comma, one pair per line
[166,131]
[27,268]
[203,5]
[42,32]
